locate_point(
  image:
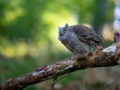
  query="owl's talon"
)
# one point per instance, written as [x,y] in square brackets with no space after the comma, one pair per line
[81,56]
[89,53]
[98,48]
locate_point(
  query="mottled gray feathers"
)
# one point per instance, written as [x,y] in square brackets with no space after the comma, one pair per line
[87,35]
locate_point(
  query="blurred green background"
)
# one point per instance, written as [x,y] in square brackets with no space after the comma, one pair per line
[29,38]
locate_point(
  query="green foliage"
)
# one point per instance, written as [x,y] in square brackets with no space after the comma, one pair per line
[24,19]
[11,68]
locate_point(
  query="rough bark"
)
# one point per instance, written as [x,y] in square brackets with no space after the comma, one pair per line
[100,58]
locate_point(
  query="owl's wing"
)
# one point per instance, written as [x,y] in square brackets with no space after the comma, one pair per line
[87,35]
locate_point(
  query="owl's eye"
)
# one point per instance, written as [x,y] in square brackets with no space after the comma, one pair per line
[63,30]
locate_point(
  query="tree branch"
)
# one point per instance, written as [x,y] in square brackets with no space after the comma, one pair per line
[101,58]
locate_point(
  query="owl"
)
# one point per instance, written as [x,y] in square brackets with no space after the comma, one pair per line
[78,39]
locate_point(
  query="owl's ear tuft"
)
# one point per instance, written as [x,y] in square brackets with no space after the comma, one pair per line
[66,25]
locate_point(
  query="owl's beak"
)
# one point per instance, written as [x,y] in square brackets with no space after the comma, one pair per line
[60,34]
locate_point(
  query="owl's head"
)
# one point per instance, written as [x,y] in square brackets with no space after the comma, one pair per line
[63,31]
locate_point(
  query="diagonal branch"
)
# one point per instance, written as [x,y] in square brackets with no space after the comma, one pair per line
[102,58]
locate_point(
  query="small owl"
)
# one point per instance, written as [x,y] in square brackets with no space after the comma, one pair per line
[78,39]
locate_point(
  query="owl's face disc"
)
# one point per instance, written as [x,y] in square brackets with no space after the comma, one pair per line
[63,31]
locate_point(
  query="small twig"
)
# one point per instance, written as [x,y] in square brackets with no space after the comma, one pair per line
[54,80]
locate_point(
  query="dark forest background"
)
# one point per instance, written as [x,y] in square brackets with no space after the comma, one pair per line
[29,38]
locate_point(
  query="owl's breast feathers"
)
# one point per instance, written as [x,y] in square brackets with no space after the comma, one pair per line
[75,45]
[87,35]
